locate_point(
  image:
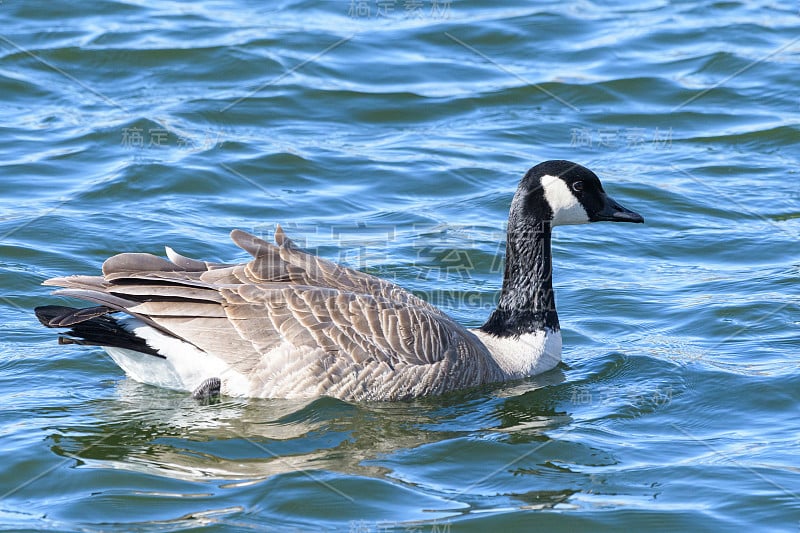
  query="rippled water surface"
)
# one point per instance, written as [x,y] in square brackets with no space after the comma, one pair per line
[390,136]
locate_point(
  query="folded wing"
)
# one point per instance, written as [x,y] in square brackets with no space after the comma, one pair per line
[240,313]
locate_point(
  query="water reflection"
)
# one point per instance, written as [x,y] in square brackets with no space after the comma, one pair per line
[160,432]
[525,445]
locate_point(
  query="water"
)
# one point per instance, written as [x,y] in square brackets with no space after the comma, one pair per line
[392,142]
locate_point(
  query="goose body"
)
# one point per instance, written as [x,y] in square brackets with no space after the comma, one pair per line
[288,324]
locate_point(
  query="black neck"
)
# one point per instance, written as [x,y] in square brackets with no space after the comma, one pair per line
[527,303]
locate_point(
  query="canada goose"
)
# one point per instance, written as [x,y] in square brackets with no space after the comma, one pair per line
[289,324]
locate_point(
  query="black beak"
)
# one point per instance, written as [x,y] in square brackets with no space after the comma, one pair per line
[614,212]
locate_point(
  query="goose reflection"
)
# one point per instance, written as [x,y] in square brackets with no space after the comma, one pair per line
[144,427]
[236,443]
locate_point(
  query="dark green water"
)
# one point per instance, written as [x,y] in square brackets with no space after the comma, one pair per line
[390,136]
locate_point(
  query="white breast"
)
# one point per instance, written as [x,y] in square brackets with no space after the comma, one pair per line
[526,355]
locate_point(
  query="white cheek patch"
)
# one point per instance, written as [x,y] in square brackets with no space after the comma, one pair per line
[566,207]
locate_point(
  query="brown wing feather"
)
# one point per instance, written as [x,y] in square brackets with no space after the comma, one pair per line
[353,325]
[240,312]
[286,262]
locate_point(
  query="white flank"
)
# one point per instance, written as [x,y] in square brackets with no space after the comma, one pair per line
[566,207]
[185,367]
[526,355]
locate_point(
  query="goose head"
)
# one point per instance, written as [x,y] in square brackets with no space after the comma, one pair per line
[552,193]
[562,193]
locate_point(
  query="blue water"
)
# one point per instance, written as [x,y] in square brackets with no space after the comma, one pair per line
[390,136]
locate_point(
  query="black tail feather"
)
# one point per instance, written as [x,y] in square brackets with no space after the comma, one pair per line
[91,326]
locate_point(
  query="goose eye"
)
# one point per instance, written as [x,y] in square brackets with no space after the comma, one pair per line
[577,186]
